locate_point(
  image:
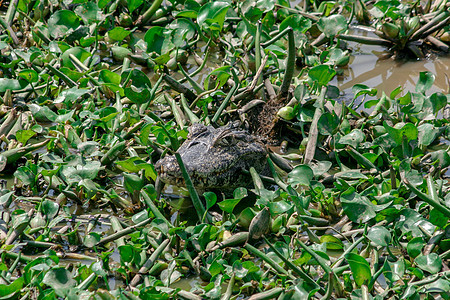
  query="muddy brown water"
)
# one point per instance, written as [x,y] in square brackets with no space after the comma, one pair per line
[372,66]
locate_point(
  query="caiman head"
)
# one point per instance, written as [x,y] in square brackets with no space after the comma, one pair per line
[215,158]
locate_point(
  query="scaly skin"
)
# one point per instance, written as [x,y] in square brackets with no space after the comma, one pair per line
[215,158]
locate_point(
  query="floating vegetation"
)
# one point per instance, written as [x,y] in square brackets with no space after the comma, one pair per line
[102,102]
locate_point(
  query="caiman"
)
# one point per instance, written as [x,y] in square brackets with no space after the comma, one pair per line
[215,158]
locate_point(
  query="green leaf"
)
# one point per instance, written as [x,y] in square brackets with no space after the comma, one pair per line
[11,84]
[228,205]
[139,87]
[322,74]
[69,96]
[92,239]
[49,209]
[410,222]
[408,130]
[107,76]
[415,246]
[60,280]
[98,269]
[361,89]
[62,22]
[332,243]
[133,4]
[29,75]
[155,39]
[240,193]
[354,138]
[394,271]
[120,53]
[183,32]
[78,52]
[426,80]
[301,175]
[132,182]
[118,34]
[296,22]
[213,13]
[211,199]
[279,207]
[379,235]
[438,101]
[328,123]
[360,268]
[127,253]
[332,25]
[135,164]
[8,291]
[221,74]
[24,135]
[431,263]
[89,12]
[26,175]
[427,133]
[358,208]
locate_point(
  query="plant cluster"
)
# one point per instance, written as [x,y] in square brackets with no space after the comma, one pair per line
[94,93]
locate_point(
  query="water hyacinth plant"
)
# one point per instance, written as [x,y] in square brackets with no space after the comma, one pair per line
[354,199]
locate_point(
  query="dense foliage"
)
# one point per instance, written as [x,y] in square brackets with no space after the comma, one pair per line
[93,93]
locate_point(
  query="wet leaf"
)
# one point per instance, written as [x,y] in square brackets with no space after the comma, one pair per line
[296,22]
[415,246]
[9,291]
[332,25]
[394,271]
[427,133]
[358,208]
[29,75]
[133,4]
[71,95]
[92,239]
[354,138]
[24,135]
[62,22]
[321,74]
[426,80]
[118,34]
[213,13]
[49,209]
[380,236]
[89,12]
[210,198]
[78,52]
[98,269]
[60,280]
[360,268]
[301,175]
[411,220]
[11,84]
[431,263]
